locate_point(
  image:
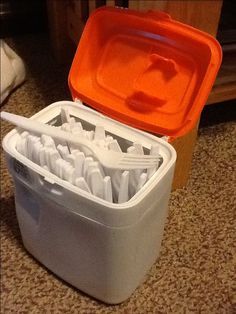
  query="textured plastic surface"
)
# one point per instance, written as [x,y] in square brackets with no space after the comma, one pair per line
[101,248]
[145,69]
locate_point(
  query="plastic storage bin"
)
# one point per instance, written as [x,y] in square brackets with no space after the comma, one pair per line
[123,62]
[104,249]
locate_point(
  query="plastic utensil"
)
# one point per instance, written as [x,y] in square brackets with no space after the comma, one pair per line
[95,181]
[107,189]
[109,159]
[124,188]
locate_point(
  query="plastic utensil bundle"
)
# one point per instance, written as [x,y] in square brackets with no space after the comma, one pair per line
[77,164]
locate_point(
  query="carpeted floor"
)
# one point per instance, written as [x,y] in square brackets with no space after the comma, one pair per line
[196,269]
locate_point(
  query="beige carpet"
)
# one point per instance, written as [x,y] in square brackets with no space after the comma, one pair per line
[196,269]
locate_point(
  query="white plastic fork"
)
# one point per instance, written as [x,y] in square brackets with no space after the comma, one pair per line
[108,158]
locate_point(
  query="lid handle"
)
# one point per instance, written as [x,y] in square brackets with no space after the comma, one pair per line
[158,15]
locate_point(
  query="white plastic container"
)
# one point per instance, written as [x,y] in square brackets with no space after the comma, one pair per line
[101,248]
[135,69]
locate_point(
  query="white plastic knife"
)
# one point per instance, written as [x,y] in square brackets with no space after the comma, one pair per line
[107,189]
[82,184]
[79,163]
[63,151]
[47,141]
[95,181]
[123,195]
[36,149]
[142,181]
[53,155]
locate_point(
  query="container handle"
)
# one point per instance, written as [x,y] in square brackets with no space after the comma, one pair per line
[158,15]
[47,185]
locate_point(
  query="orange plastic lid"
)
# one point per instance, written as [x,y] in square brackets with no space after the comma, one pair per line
[145,69]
